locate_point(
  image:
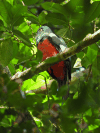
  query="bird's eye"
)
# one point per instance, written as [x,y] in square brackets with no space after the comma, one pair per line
[40,30]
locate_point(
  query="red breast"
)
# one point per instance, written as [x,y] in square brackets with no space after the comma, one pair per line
[48,50]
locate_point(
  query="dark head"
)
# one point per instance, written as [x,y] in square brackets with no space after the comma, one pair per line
[42,31]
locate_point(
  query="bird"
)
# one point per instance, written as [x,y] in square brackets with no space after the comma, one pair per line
[51,44]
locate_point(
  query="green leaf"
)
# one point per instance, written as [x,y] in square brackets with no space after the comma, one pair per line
[88,112]
[57,19]
[62,32]
[79,33]
[86,5]
[41,18]
[53,87]
[4,13]
[15,48]
[23,38]
[45,74]
[32,85]
[71,8]
[93,12]
[75,95]
[2,110]
[18,10]
[34,27]
[32,18]
[94,46]
[1,28]
[95,69]
[17,21]
[91,54]
[54,7]
[11,2]
[39,55]
[6,51]
[23,27]
[11,68]
[92,127]
[80,55]
[14,61]
[72,4]
[5,122]
[85,62]
[18,13]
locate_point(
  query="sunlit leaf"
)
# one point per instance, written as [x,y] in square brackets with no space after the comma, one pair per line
[11,2]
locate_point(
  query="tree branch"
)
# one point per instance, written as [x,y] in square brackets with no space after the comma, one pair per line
[88,40]
[75,77]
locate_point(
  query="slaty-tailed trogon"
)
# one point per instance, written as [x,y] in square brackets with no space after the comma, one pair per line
[50,44]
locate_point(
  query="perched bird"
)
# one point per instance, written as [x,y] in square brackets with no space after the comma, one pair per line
[50,44]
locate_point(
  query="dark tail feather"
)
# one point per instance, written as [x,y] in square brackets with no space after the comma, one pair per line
[68,65]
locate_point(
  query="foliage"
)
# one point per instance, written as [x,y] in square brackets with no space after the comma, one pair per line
[72,20]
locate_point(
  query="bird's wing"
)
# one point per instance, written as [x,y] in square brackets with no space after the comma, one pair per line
[58,41]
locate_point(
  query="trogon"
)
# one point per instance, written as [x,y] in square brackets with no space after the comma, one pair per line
[50,44]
